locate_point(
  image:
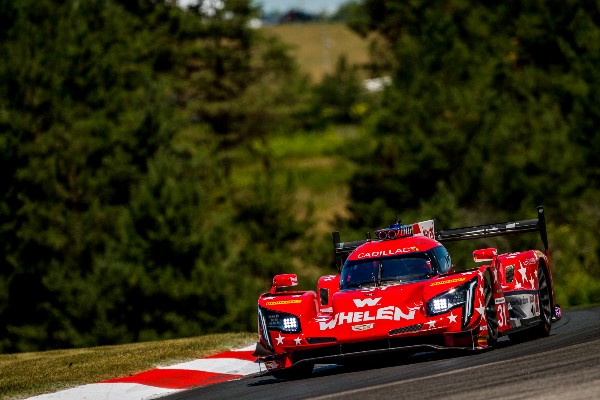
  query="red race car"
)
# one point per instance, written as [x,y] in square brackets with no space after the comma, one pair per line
[400,291]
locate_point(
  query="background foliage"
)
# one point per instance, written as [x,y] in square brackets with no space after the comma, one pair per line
[159,165]
[490,113]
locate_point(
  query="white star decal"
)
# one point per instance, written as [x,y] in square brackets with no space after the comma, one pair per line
[481,290]
[523,272]
[279,339]
[431,324]
[480,309]
[298,340]
[532,281]
[517,285]
[451,318]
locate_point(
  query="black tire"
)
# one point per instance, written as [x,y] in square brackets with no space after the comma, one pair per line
[491,314]
[299,371]
[545,304]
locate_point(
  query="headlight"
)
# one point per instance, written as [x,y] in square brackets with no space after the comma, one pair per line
[461,296]
[280,321]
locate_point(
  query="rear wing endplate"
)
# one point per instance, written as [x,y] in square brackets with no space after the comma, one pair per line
[343,249]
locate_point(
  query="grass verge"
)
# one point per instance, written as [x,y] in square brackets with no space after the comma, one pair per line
[28,374]
[317,46]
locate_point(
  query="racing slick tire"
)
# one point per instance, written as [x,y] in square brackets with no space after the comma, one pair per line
[491,313]
[299,371]
[545,305]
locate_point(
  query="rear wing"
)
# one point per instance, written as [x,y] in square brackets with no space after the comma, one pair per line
[427,228]
[500,229]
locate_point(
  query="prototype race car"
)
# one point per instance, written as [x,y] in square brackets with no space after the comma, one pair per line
[400,292]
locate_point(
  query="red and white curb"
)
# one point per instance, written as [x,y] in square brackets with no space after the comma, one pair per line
[162,381]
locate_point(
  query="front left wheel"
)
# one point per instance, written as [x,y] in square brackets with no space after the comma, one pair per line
[491,314]
[299,371]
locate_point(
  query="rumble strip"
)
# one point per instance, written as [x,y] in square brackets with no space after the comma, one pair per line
[162,381]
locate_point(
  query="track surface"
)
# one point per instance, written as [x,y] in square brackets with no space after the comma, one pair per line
[565,365]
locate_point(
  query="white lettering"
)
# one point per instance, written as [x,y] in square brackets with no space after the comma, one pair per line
[368,301]
[345,318]
[329,325]
[398,314]
[358,316]
[385,253]
[530,261]
[389,313]
[385,313]
[367,317]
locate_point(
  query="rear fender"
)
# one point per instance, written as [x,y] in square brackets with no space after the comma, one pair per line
[518,271]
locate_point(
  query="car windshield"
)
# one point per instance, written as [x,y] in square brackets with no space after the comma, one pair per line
[385,271]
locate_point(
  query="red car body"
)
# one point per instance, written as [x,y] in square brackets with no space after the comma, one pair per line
[400,292]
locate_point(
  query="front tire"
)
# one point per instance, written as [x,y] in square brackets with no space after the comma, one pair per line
[299,371]
[491,314]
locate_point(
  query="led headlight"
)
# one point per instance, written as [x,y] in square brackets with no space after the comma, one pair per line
[461,296]
[280,321]
[290,324]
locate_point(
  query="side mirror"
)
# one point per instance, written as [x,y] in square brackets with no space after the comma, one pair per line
[483,255]
[284,280]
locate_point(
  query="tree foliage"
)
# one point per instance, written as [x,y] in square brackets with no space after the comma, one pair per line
[116,218]
[493,102]
[123,124]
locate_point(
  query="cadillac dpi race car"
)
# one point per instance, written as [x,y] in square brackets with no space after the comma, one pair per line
[400,292]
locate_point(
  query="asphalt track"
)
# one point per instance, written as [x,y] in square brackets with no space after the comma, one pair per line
[565,365]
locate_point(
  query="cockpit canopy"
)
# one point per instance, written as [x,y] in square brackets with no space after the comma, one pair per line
[384,271]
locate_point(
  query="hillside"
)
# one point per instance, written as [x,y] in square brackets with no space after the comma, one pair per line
[317,46]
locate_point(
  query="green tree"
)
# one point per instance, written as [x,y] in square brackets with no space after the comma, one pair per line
[495,103]
[116,221]
[83,109]
[233,78]
[338,95]
[478,103]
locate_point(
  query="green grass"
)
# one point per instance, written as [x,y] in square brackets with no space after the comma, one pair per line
[317,46]
[28,374]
